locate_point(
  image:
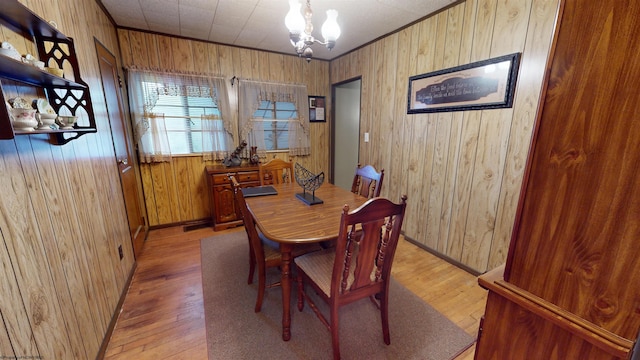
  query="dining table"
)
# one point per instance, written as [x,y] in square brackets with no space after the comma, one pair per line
[287,220]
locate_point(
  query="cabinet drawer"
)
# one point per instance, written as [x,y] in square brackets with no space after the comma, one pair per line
[241,177]
[248,176]
[221,179]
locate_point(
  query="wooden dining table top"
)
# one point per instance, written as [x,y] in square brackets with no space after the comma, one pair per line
[286,219]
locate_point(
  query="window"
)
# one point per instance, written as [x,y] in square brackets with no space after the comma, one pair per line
[183,119]
[275,117]
[180,114]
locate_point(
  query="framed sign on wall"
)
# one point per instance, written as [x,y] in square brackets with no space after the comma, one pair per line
[487,84]
[317,109]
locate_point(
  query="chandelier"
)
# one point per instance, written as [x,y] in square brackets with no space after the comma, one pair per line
[300,29]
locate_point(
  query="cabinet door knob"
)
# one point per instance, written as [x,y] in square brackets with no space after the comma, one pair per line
[123,162]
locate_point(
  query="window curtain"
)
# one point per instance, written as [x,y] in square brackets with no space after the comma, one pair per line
[150,133]
[250,93]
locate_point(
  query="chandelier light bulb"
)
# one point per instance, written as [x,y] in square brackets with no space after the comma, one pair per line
[294,20]
[330,28]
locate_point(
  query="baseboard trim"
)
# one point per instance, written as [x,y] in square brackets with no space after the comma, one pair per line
[196,224]
[116,314]
[443,257]
[187,225]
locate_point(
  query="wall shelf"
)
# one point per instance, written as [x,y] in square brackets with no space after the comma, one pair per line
[68,96]
[17,71]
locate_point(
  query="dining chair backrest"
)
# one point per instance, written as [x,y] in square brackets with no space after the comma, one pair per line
[275,171]
[367,181]
[360,266]
[366,246]
[260,256]
[255,245]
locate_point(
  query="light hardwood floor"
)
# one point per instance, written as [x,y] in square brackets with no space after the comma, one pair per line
[163,317]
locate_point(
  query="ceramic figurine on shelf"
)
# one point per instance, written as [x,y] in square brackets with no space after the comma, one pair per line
[234,158]
[6,49]
[253,155]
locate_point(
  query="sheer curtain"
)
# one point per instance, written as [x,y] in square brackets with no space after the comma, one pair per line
[250,93]
[150,127]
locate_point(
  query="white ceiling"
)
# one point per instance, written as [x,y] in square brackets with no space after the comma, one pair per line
[259,24]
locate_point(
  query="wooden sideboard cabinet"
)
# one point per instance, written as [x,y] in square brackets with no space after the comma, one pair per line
[224,214]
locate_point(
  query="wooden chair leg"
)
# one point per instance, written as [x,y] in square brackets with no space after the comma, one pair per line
[252,265]
[335,332]
[384,314]
[300,292]
[262,279]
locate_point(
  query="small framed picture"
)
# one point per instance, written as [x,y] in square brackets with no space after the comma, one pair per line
[317,109]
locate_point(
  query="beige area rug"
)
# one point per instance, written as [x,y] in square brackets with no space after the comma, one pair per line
[235,331]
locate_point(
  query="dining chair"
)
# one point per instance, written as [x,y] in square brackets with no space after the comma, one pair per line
[358,267]
[275,171]
[367,181]
[263,252]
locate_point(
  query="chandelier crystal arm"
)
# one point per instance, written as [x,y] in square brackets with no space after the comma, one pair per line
[301,28]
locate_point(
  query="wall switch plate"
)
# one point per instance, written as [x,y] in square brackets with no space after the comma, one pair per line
[366,137]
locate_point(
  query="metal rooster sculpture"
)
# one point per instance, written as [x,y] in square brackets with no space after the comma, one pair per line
[309,182]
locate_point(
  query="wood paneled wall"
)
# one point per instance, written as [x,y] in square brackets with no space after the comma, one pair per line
[176,191]
[462,171]
[62,216]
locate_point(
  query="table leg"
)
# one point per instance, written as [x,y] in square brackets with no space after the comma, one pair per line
[285,250]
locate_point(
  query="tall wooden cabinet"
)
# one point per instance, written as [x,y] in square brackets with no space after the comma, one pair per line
[570,288]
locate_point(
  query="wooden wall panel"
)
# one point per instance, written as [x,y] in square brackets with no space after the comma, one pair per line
[200,202]
[364,96]
[183,183]
[511,18]
[481,24]
[382,120]
[5,342]
[462,170]
[542,20]
[161,175]
[417,132]
[446,133]
[65,218]
[24,245]
[402,147]
[14,338]
[82,174]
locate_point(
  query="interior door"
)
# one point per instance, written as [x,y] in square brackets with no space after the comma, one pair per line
[122,146]
[346,132]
